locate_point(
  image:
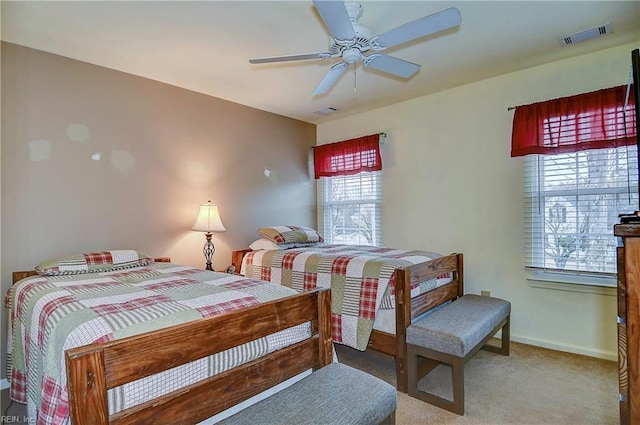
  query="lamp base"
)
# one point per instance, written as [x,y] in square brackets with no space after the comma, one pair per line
[208,251]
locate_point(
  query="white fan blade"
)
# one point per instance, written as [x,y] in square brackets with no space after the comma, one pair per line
[335,17]
[319,55]
[391,65]
[330,78]
[424,26]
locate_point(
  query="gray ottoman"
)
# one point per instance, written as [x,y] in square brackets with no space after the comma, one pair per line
[452,335]
[336,394]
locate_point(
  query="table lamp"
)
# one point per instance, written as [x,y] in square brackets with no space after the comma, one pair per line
[208,221]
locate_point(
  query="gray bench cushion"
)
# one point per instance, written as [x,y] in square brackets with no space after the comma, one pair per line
[334,394]
[459,326]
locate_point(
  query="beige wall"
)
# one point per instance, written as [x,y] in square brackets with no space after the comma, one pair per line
[451,186]
[162,151]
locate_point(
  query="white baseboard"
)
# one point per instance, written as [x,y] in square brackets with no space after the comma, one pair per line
[4,384]
[606,355]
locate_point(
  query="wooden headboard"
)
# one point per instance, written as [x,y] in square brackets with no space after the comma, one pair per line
[237,256]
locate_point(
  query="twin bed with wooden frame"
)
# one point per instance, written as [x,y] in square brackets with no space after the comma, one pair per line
[156,332]
[406,307]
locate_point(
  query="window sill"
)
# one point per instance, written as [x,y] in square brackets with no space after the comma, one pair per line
[557,281]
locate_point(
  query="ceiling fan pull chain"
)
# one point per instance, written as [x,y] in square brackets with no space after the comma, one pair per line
[354,78]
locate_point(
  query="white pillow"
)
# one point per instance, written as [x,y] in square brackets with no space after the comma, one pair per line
[263,243]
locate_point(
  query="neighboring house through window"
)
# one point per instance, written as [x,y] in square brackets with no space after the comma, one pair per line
[581,172]
[349,177]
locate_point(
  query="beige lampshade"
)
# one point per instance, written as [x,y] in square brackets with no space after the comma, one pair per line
[208,219]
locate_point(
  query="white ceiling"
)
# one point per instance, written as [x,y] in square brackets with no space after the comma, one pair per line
[206,46]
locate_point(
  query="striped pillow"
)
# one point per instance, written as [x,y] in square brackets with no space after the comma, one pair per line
[93,262]
[290,234]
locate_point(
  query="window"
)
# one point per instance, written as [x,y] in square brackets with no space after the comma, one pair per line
[350,208]
[572,202]
[581,172]
[349,177]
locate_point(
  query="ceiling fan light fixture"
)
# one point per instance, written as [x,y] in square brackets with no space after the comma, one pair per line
[352,55]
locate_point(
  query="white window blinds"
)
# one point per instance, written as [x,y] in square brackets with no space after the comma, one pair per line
[572,202]
[350,208]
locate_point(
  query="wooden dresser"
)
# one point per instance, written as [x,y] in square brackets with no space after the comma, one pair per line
[629,322]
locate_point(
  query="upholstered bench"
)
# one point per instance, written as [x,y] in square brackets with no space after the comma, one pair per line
[335,394]
[452,335]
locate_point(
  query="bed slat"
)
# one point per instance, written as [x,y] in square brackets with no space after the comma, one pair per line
[176,345]
[434,268]
[224,390]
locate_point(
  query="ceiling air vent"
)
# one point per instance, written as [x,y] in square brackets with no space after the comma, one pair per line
[325,111]
[584,35]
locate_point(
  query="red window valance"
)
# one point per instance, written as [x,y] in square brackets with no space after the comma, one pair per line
[348,157]
[592,120]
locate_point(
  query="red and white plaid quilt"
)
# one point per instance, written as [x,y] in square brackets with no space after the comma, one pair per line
[361,279]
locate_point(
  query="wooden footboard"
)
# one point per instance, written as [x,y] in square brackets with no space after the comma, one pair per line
[406,308]
[93,369]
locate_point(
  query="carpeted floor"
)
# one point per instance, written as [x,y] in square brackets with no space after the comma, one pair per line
[531,386]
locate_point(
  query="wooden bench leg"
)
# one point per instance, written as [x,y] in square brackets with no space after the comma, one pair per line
[505,342]
[457,372]
[415,354]
[506,338]
[389,420]
[412,369]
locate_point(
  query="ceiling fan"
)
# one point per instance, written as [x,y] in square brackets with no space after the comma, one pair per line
[350,41]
